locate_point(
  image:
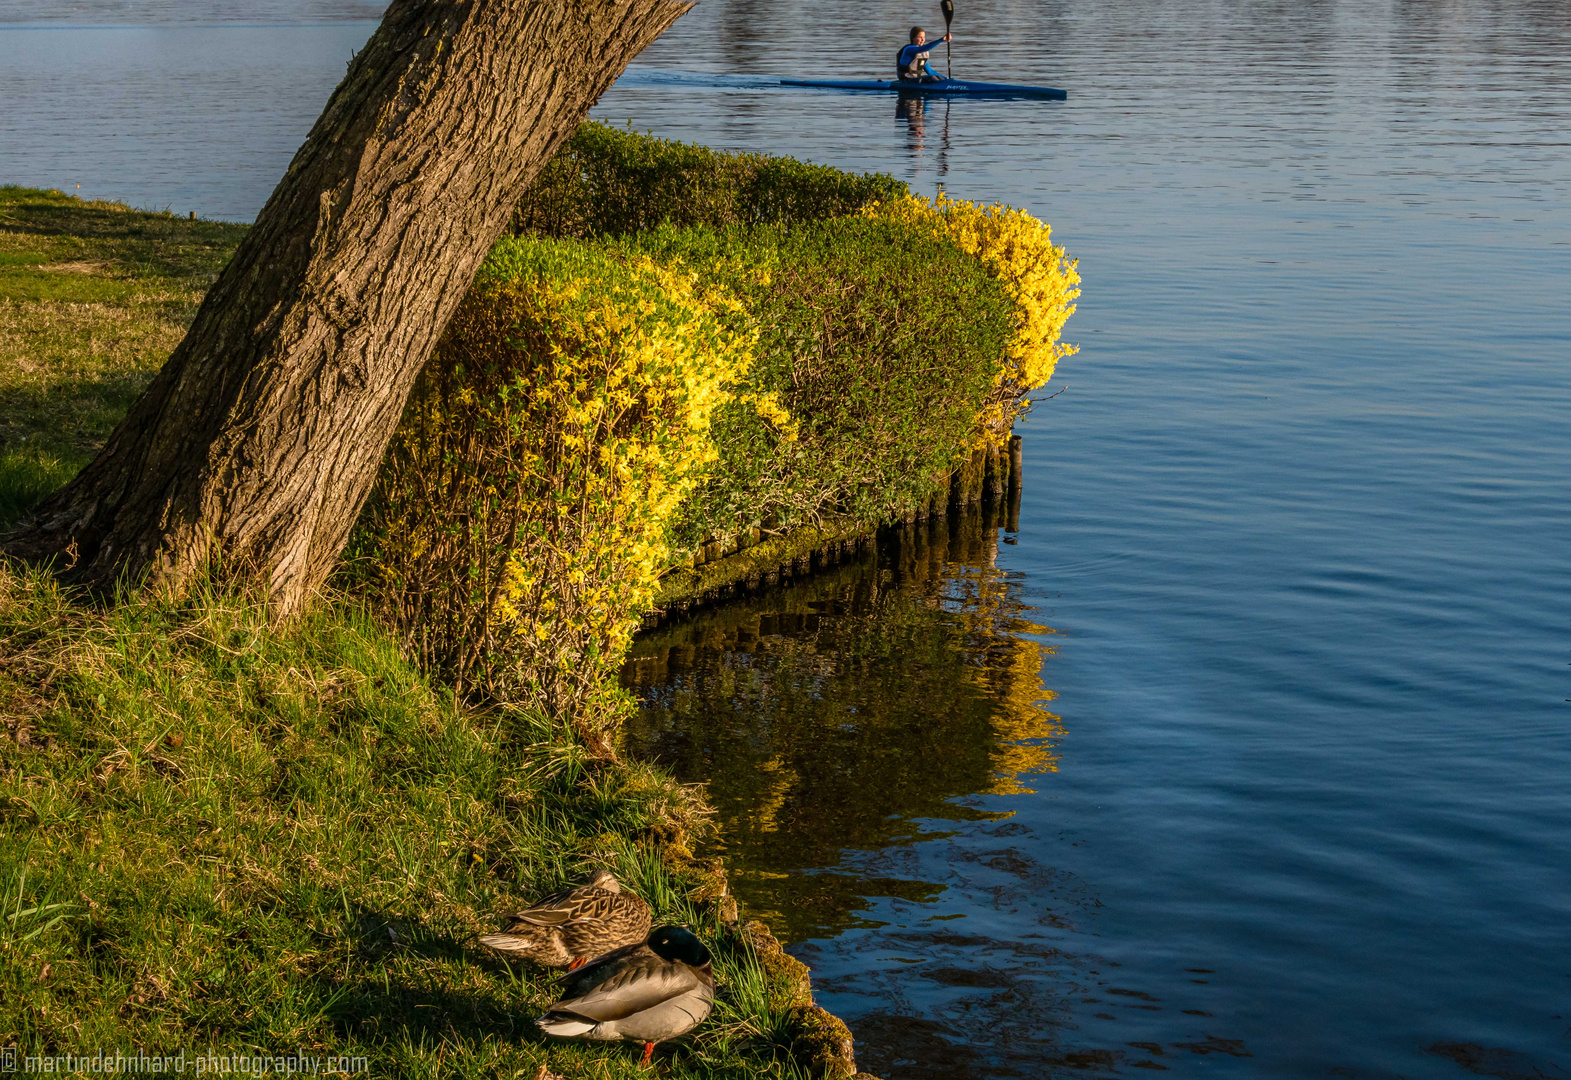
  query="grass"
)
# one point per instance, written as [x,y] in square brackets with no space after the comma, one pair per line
[227,837]
[220,834]
[93,296]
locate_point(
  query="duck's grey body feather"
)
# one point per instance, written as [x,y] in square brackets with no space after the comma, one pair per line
[633,993]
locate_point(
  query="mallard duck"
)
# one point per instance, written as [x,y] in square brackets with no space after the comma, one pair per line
[573,926]
[659,989]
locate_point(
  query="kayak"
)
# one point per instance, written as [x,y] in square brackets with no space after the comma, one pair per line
[948,86]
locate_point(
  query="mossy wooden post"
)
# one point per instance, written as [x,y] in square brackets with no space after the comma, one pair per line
[940,501]
[968,479]
[260,438]
[996,464]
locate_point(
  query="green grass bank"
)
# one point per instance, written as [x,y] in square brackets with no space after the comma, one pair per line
[227,838]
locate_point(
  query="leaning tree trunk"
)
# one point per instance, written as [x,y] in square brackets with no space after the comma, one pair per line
[259,440]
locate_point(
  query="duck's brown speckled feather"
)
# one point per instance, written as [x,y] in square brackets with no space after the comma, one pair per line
[586,903]
[586,922]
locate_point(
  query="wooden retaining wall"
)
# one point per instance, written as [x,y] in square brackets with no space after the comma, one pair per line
[721,569]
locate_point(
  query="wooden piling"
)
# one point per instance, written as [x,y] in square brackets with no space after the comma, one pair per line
[995,477]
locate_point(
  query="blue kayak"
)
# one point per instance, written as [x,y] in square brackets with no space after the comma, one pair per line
[947,86]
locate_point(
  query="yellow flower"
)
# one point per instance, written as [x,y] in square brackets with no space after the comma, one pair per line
[1042,280]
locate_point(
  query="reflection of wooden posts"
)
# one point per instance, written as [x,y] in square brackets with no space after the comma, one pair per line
[1016,477]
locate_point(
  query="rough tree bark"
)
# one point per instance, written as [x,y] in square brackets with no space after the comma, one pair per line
[260,438]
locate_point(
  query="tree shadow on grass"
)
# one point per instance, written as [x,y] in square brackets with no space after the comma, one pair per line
[372,1012]
[27,479]
[159,244]
[49,430]
[409,983]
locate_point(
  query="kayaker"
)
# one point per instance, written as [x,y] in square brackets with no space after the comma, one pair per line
[912,62]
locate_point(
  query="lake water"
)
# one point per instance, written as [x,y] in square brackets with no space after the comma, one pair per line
[1249,753]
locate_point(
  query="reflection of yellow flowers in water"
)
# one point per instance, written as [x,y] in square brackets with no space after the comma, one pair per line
[1010,675]
[1027,733]
[782,782]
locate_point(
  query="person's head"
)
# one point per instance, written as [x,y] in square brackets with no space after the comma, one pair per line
[918,36]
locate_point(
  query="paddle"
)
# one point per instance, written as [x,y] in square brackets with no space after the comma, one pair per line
[949,17]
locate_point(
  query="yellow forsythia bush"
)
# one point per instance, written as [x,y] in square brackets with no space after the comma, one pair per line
[523,514]
[1043,281]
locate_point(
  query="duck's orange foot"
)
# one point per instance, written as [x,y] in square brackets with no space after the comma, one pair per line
[578,962]
[649,1050]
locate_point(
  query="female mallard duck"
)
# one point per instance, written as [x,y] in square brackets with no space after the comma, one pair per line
[659,989]
[570,928]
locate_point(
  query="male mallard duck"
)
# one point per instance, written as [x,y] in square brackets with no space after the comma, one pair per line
[571,927]
[656,990]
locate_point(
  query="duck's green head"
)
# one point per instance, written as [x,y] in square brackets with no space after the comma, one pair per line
[676,943]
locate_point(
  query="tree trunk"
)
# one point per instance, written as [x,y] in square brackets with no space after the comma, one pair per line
[259,440]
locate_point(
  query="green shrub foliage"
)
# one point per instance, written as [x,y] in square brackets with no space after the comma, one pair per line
[683,345]
[881,343]
[595,410]
[606,182]
[523,513]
